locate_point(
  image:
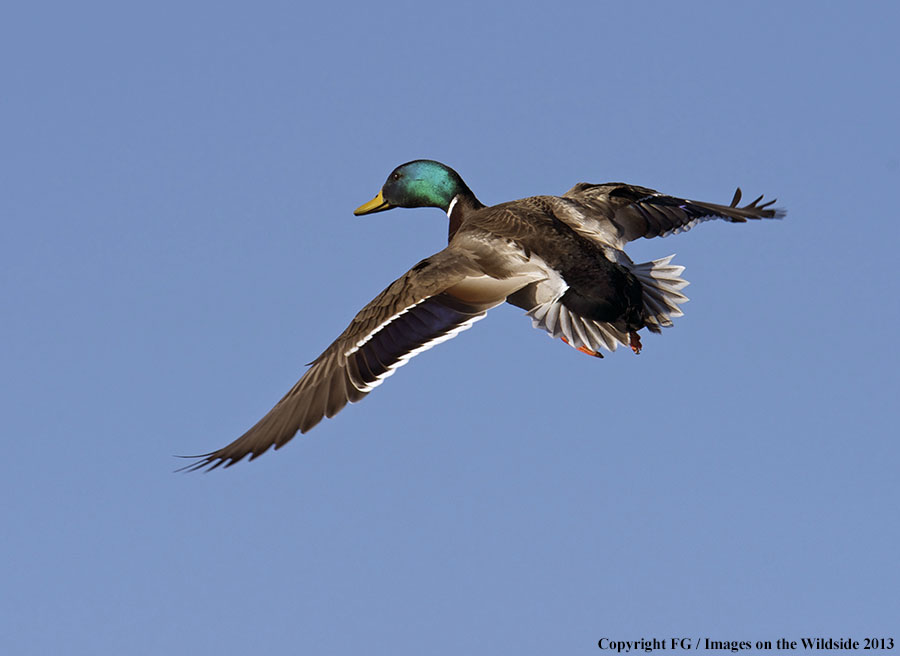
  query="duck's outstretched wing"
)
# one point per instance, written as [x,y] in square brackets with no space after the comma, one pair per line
[617,213]
[435,300]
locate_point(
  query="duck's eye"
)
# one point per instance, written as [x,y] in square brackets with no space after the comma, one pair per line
[395,176]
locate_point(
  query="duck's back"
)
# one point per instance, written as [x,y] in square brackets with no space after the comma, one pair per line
[540,228]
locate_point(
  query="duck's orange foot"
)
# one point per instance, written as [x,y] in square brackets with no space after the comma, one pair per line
[584,349]
[635,342]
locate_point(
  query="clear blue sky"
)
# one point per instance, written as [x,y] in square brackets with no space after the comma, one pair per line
[177,241]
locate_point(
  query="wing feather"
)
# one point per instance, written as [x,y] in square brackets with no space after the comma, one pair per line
[411,315]
[616,213]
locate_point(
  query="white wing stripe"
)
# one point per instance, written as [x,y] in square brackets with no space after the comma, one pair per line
[373,332]
[406,357]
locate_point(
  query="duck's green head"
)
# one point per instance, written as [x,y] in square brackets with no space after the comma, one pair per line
[420,183]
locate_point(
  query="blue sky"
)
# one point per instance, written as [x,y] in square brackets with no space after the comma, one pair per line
[178,181]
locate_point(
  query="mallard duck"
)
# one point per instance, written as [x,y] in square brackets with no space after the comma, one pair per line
[560,258]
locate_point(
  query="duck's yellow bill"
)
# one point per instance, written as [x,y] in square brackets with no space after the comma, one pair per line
[377,204]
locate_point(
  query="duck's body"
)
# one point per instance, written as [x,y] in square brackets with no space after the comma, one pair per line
[560,258]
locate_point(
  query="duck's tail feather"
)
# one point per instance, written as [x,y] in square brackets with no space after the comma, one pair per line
[662,283]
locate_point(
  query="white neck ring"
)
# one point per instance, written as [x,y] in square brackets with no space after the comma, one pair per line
[452,204]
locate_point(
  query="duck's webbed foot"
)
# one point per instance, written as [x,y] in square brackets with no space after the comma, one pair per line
[635,342]
[584,349]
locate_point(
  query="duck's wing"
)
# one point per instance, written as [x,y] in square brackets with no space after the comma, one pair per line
[435,300]
[616,213]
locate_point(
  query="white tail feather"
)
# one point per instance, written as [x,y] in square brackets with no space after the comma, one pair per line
[662,283]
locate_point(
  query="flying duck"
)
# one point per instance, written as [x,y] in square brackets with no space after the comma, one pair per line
[560,258]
